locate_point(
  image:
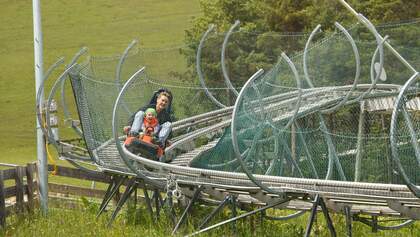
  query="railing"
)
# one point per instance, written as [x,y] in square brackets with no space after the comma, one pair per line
[19,189]
[24,184]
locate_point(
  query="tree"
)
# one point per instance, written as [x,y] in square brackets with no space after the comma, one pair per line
[261,39]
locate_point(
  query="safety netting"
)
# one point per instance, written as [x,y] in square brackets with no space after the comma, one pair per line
[287,123]
[97,82]
[332,122]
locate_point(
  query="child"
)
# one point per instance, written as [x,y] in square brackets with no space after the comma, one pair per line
[148,134]
[150,125]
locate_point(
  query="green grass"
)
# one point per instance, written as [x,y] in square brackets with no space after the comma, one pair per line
[137,222]
[105,27]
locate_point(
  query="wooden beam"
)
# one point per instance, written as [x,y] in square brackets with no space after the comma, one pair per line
[80,174]
[2,202]
[75,190]
[20,187]
[9,174]
[30,169]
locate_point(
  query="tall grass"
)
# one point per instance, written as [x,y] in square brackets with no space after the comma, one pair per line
[136,221]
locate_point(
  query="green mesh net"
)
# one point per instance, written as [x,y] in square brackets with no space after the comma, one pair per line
[282,131]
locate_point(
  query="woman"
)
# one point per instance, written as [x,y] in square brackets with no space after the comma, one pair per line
[163,102]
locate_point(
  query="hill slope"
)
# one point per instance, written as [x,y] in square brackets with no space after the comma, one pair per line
[106,27]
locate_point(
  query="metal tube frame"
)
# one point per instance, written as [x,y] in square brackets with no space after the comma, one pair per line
[129,189]
[200,73]
[39,103]
[223,56]
[119,69]
[113,188]
[319,202]
[240,216]
[67,116]
[188,209]
[397,108]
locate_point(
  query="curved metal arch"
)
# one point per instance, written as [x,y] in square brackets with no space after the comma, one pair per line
[126,160]
[39,105]
[374,80]
[119,69]
[393,51]
[381,227]
[380,42]
[305,55]
[357,74]
[53,91]
[299,85]
[57,83]
[260,100]
[234,135]
[48,132]
[222,58]
[397,108]
[200,73]
[299,92]
[284,218]
[267,120]
[67,116]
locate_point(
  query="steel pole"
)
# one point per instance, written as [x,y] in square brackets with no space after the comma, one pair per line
[41,154]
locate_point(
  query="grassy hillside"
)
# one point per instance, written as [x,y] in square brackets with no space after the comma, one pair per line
[105,27]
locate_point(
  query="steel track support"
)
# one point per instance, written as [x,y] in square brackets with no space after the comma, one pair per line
[375,224]
[327,217]
[135,199]
[349,220]
[214,212]
[187,209]
[262,217]
[148,201]
[107,193]
[234,213]
[240,217]
[170,207]
[131,186]
[158,202]
[312,217]
[113,187]
[137,213]
[319,202]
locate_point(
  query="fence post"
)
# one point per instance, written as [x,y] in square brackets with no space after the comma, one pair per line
[2,202]
[30,181]
[20,172]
